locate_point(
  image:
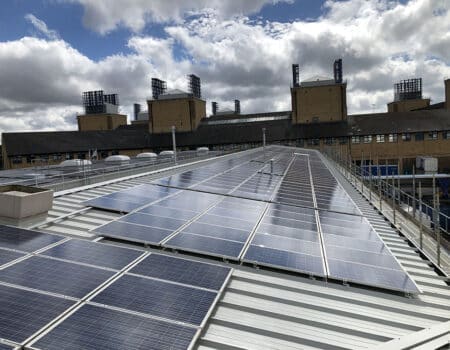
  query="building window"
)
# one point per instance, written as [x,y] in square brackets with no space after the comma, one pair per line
[406,137]
[57,157]
[356,139]
[103,154]
[446,134]
[432,135]
[392,137]
[81,155]
[315,119]
[380,138]
[343,140]
[17,160]
[367,138]
[329,141]
[313,142]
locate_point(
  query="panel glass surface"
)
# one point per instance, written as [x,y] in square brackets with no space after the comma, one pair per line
[205,245]
[182,271]
[55,276]
[23,313]
[5,347]
[25,240]
[158,298]
[6,256]
[93,328]
[92,253]
[132,232]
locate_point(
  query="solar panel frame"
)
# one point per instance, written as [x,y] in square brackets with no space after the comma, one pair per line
[23,312]
[8,256]
[141,332]
[95,254]
[24,240]
[55,276]
[130,292]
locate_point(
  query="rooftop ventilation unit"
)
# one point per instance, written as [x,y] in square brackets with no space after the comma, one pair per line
[195,86]
[159,87]
[296,75]
[337,67]
[237,107]
[410,89]
[215,107]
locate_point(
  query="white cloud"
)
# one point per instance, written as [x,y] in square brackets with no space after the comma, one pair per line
[104,16]
[41,27]
[380,41]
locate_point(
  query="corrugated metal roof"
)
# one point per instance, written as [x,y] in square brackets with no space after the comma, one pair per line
[264,309]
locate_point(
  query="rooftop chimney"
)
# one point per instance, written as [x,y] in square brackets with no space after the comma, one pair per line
[447,94]
[237,107]
[136,110]
[295,75]
[337,67]
[215,107]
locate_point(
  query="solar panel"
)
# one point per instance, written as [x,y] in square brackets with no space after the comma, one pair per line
[93,327]
[205,245]
[94,253]
[132,232]
[23,313]
[25,240]
[153,221]
[158,298]
[372,276]
[285,259]
[55,276]
[131,198]
[6,256]
[216,231]
[5,347]
[168,212]
[355,253]
[182,271]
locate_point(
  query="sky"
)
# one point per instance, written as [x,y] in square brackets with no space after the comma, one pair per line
[53,50]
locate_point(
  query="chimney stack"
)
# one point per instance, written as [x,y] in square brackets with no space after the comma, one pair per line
[237,107]
[447,93]
[295,75]
[215,107]
[337,67]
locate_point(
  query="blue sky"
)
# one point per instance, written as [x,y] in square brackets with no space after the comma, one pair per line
[53,50]
[66,19]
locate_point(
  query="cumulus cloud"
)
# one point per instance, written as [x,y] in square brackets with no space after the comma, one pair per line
[104,16]
[380,41]
[41,27]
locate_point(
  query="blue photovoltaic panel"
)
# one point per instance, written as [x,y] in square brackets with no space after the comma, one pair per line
[132,232]
[7,256]
[25,240]
[158,298]
[289,232]
[153,221]
[372,276]
[223,221]
[206,245]
[55,276]
[92,253]
[112,204]
[93,328]
[284,259]
[130,199]
[23,313]
[5,347]
[182,271]
[215,231]
[355,253]
[287,244]
[168,212]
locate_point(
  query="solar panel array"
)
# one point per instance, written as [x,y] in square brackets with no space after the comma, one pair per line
[74,294]
[274,215]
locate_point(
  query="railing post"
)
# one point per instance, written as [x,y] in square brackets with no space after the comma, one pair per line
[393,197]
[362,172]
[414,191]
[379,188]
[437,229]
[420,216]
[174,145]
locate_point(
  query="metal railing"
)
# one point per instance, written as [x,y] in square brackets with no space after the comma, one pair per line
[385,191]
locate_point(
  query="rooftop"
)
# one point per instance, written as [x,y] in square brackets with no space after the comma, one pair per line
[268,307]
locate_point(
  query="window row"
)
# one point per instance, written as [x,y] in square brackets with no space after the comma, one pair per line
[418,136]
